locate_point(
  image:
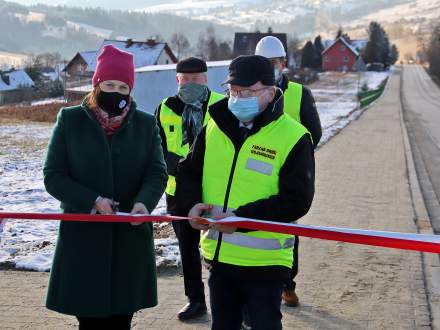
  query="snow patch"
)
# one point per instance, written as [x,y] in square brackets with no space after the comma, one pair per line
[49,101]
[97,31]
[30,244]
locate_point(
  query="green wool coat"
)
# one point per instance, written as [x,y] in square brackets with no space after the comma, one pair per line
[102,269]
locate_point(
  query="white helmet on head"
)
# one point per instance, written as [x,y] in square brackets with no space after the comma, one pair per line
[270,47]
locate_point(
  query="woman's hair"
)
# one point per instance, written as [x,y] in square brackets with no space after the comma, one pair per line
[91,98]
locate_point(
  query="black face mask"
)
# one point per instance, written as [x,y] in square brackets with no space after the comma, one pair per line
[113,103]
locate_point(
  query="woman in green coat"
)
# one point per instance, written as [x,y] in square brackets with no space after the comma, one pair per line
[105,154]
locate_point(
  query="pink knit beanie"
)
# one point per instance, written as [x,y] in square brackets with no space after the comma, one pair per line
[114,64]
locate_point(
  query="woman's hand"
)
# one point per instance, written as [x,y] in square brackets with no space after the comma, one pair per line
[105,205]
[139,208]
[195,214]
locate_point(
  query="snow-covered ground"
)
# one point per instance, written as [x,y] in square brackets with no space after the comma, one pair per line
[30,244]
[336,98]
[250,13]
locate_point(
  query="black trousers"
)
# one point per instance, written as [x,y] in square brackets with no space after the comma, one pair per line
[291,284]
[229,296]
[189,240]
[114,322]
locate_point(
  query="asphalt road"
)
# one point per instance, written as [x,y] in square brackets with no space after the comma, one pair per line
[421,108]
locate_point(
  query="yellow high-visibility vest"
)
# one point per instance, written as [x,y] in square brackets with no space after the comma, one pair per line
[232,178]
[292,100]
[172,126]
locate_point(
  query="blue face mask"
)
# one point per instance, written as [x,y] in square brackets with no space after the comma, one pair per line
[245,109]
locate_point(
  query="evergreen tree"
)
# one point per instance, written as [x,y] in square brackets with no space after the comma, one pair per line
[339,33]
[211,43]
[224,51]
[378,45]
[386,50]
[34,73]
[319,48]
[212,49]
[394,54]
[342,34]
[308,56]
[433,52]
[379,48]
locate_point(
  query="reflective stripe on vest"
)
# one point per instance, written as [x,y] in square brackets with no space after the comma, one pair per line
[249,175]
[242,240]
[246,240]
[172,127]
[292,100]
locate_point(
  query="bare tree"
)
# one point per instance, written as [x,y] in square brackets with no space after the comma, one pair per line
[293,44]
[180,44]
[44,60]
[49,60]
[294,50]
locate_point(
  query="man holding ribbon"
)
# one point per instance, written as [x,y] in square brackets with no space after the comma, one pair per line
[251,160]
[181,118]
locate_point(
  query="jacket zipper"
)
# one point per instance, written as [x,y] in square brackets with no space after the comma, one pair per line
[225,203]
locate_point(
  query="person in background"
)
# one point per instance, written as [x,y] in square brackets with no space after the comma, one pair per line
[300,105]
[180,118]
[105,155]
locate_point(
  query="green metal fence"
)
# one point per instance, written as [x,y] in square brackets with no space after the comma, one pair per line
[368,97]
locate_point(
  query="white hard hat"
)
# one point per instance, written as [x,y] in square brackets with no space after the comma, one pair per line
[270,47]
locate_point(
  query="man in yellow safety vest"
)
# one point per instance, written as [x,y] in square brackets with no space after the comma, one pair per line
[180,119]
[300,105]
[250,160]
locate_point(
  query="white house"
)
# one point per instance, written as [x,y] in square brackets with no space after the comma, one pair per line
[156,82]
[153,83]
[80,69]
[11,82]
[144,53]
[15,79]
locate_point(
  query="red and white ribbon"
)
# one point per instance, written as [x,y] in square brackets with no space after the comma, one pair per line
[404,241]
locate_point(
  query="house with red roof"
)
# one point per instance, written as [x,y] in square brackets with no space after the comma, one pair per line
[341,55]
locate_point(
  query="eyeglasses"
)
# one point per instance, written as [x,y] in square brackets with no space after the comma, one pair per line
[245,92]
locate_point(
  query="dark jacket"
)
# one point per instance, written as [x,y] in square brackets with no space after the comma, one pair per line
[296,177]
[101,269]
[177,105]
[308,113]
